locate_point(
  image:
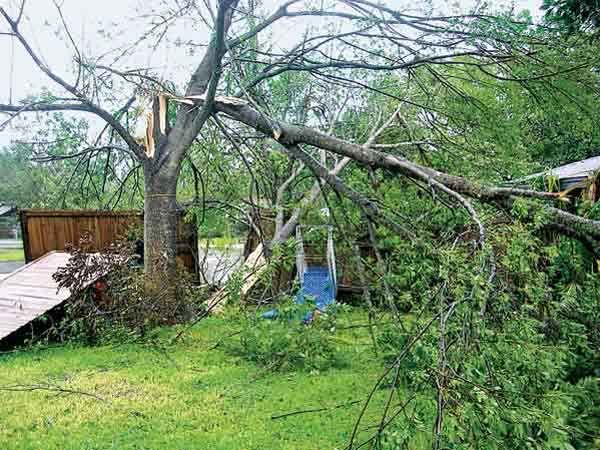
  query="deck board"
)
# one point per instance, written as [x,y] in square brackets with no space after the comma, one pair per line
[30,291]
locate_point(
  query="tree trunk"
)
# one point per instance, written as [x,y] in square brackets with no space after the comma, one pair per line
[160,224]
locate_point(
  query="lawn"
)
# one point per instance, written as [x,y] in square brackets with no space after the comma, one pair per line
[189,395]
[220,243]
[12,254]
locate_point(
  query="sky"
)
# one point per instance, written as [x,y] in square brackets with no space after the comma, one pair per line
[101,26]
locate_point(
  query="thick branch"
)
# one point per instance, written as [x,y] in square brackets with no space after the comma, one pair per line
[44,107]
[204,80]
[280,210]
[109,118]
[452,185]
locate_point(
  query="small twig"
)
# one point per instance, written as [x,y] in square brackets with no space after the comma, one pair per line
[49,388]
[220,341]
[314,410]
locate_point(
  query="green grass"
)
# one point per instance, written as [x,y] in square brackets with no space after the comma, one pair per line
[220,243]
[186,396]
[12,254]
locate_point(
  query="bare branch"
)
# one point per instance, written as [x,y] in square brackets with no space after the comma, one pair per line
[91,107]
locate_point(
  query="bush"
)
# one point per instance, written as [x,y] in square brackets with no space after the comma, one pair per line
[287,342]
[122,304]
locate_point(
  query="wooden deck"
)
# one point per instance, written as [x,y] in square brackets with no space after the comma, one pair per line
[30,291]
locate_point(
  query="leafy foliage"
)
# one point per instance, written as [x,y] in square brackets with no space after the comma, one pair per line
[573,14]
[287,342]
[121,304]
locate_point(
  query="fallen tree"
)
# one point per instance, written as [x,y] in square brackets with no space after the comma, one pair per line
[457,187]
[256,263]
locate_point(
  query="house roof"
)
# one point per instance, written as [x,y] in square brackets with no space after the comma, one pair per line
[576,169]
[569,174]
[6,209]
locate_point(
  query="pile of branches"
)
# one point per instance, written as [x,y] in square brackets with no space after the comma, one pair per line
[121,301]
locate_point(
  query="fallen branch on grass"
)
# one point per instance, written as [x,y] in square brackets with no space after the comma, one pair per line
[49,388]
[314,410]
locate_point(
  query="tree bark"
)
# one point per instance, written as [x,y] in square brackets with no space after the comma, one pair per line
[162,167]
[160,224]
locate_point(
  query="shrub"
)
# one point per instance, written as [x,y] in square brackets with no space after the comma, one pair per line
[122,303]
[287,342]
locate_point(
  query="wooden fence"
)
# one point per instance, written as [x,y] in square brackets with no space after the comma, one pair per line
[46,230]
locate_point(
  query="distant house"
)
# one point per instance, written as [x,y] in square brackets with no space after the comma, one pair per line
[9,223]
